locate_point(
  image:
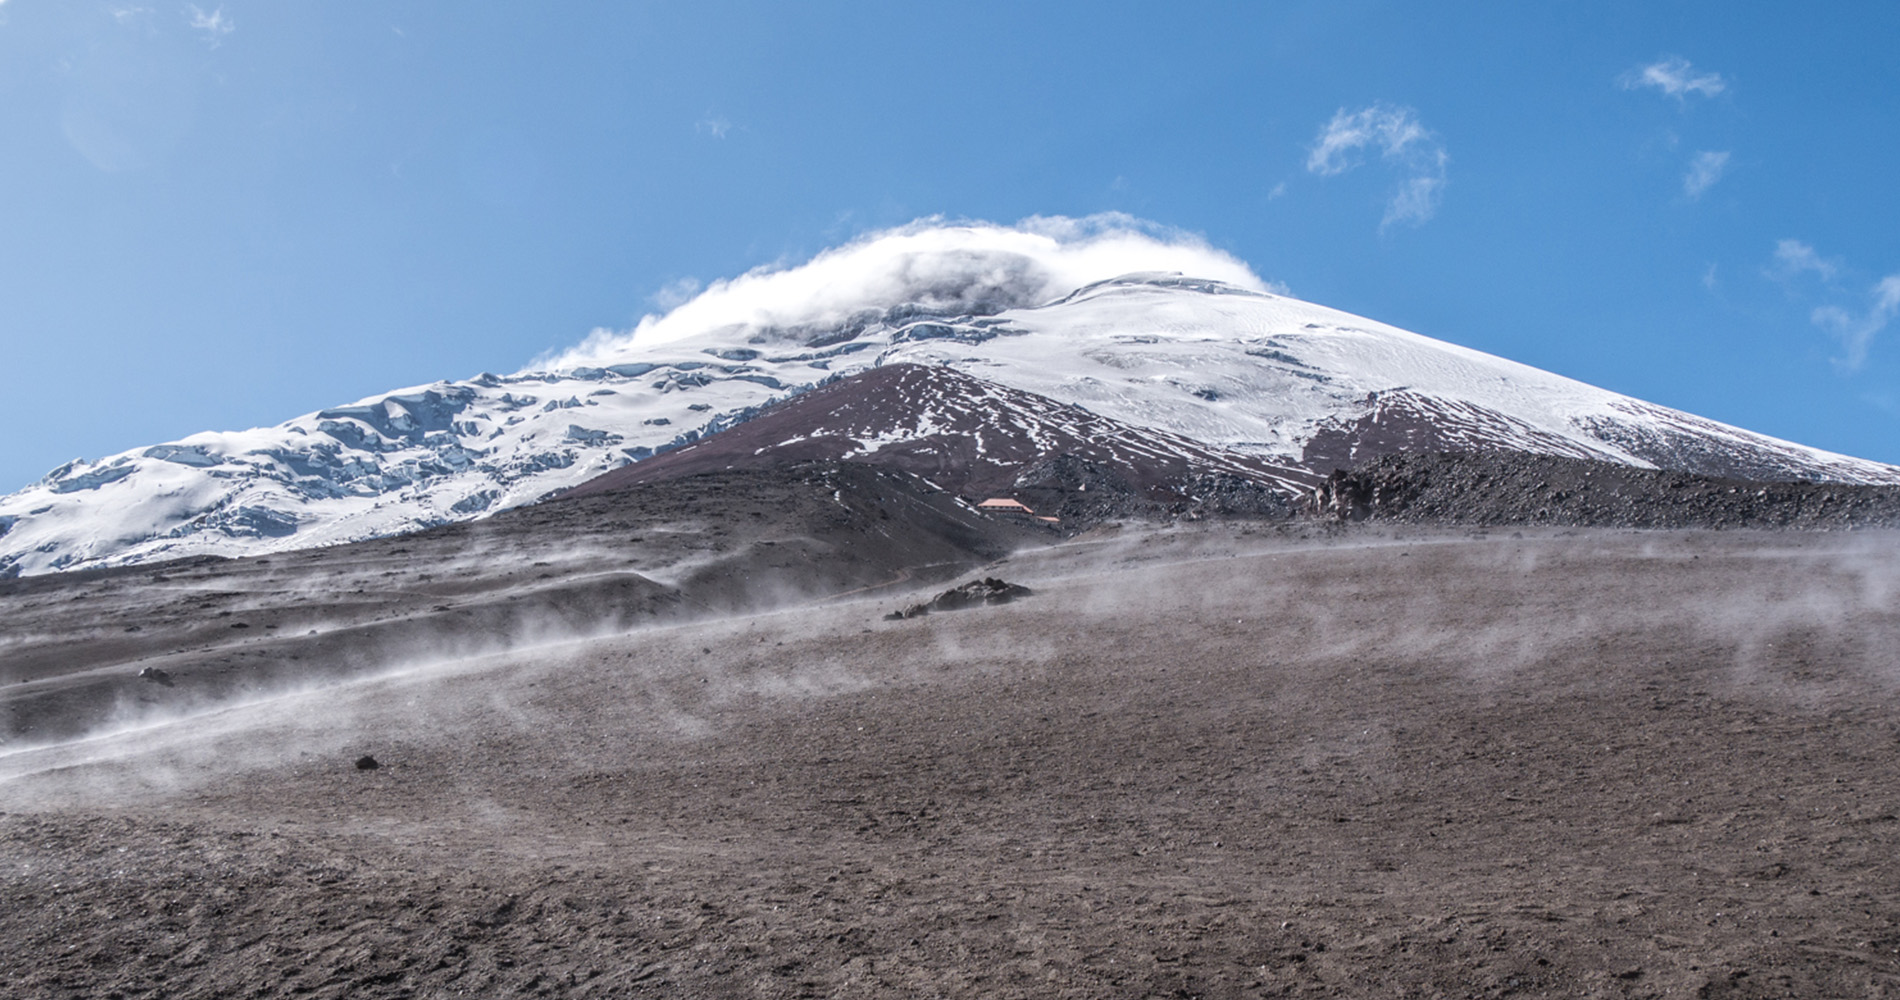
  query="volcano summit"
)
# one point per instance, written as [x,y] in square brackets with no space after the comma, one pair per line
[1021,346]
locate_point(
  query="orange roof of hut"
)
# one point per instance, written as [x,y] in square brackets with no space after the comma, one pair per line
[1004,504]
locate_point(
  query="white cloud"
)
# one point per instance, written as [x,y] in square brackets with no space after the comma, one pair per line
[214,25]
[1402,141]
[676,293]
[713,125]
[1855,329]
[961,266]
[1704,171]
[1279,190]
[1415,201]
[1793,258]
[1856,333]
[1675,77]
[1395,131]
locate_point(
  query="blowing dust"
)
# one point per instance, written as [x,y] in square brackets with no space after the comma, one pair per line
[1205,760]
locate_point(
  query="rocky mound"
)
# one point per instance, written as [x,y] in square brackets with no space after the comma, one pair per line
[1506,488]
[976,593]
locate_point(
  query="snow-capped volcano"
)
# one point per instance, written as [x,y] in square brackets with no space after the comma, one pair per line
[1209,356]
[959,433]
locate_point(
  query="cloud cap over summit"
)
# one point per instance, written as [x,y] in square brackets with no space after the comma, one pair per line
[973,267]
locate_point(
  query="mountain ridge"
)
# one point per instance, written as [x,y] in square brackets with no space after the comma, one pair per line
[968,435]
[1262,378]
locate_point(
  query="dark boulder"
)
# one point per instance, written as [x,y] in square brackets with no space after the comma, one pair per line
[988,590]
[153,675]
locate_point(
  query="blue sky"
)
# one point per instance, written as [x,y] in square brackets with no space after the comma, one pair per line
[223,215]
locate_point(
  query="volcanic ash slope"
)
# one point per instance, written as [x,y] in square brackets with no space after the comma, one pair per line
[1202,762]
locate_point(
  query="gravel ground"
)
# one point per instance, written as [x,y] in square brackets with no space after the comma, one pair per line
[1218,760]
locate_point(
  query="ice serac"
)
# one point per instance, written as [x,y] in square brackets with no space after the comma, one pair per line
[1171,375]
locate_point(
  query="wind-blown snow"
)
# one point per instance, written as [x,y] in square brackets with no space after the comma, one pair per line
[1210,354]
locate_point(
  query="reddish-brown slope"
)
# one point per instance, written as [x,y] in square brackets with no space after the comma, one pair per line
[960,432]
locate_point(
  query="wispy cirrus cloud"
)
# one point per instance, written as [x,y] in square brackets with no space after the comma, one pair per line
[1704,171]
[1856,331]
[1794,258]
[714,125]
[214,25]
[1402,142]
[1854,325]
[1675,77]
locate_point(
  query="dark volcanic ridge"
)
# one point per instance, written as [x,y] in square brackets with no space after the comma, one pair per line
[1514,488]
[1403,421]
[971,437]
[1409,459]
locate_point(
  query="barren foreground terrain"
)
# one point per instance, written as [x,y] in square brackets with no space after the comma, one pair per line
[1221,761]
